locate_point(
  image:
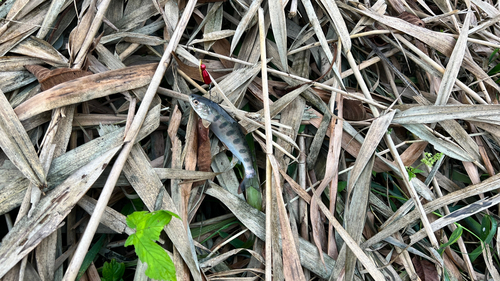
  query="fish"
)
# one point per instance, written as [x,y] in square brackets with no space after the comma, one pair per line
[228,132]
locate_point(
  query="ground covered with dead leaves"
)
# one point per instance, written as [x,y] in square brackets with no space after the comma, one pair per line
[374,128]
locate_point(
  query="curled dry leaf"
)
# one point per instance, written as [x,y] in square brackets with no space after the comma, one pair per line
[50,78]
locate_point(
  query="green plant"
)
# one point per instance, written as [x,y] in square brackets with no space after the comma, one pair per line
[113,271]
[487,232]
[453,238]
[148,227]
[428,160]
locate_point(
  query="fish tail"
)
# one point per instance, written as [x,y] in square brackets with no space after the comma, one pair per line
[246,183]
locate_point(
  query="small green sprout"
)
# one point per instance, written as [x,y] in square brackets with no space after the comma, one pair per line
[429,160]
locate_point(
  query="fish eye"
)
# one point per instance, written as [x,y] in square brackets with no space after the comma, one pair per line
[196,102]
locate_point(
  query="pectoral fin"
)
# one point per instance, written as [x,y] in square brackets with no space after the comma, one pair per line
[205,123]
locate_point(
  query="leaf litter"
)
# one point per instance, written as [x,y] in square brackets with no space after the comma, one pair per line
[334,93]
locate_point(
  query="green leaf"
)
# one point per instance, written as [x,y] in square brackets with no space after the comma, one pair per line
[486,234]
[453,238]
[90,256]
[160,266]
[341,186]
[488,229]
[476,253]
[113,271]
[196,232]
[490,59]
[494,70]
[148,228]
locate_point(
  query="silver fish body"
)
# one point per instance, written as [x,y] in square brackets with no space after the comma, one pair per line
[228,132]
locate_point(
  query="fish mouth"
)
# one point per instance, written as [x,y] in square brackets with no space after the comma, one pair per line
[193,96]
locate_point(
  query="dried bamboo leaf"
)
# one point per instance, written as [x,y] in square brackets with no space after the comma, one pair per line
[448,148]
[12,192]
[454,64]
[291,266]
[141,39]
[80,32]
[181,174]
[72,160]
[135,13]
[413,152]
[373,138]
[432,114]
[338,23]
[15,63]
[87,88]
[190,154]
[356,212]
[311,13]
[204,155]
[278,23]
[111,218]
[17,145]
[50,212]
[442,42]
[49,79]
[231,83]
[13,80]
[458,133]
[244,23]
[18,31]
[214,23]
[214,8]
[14,10]
[486,7]
[275,108]
[207,265]
[214,36]
[144,31]
[49,20]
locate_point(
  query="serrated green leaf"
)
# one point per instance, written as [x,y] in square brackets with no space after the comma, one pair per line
[160,266]
[113,271]
[134,219]
[148,228]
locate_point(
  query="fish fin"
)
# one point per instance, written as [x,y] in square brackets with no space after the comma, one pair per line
[205,123]
[244,184]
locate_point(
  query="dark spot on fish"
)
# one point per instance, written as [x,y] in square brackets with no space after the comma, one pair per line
[236,141]
[242,151]
[224,124]
[246,160]
[217,117]
[230,133]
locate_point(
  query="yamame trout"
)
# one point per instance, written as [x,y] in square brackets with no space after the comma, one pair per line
[228,132]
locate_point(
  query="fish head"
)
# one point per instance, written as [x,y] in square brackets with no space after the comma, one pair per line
[201,106]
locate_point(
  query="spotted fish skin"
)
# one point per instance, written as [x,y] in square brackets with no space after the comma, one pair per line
[228,132]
